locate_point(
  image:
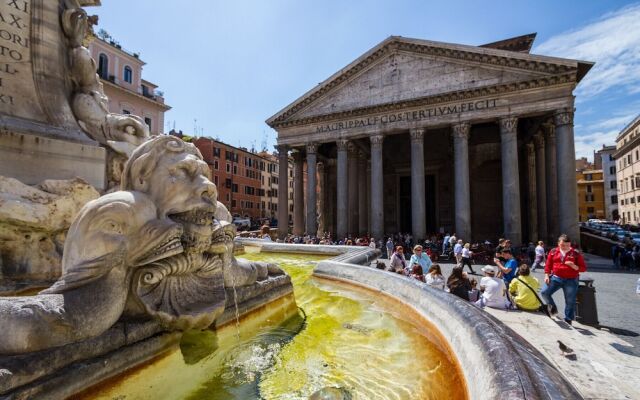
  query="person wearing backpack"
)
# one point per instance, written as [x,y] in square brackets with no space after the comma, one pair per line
[562,271]
[523,290]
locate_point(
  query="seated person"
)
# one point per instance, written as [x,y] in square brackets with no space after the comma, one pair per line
[398,263]
[434,277]
[493,290]
[416,272]
[458,284]
[523,290]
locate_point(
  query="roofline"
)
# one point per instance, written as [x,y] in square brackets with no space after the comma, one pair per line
[121,50]
[230,145]
[582,66]
[629,126]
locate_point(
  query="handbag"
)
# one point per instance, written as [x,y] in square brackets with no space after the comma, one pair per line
[543,306]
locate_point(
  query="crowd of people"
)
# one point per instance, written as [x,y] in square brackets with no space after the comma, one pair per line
[507,284]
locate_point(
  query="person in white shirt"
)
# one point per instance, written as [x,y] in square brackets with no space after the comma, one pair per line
[372,243]
[493,290]
[434,278]
[453,240]
[540,256]
[466,257]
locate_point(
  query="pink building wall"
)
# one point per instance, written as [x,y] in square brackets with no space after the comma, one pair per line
[129,97]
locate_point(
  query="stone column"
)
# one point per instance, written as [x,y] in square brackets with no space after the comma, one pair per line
[322,198]
[312,210]
[541,187]
[510,180]
[298,194]
[362,193]
[283,191]
[418,207]
[354,216]
[330,207]
[567,188]
[377,197]
[342,191]
[462,190]
[531,193]
[552,183]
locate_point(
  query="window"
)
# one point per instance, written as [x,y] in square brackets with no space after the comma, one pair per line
[215,179]
[103,66]
[234,188]
[613,185]
[589,189]
[216,166]
[612,169]
[589,197]
[610,156]
[637,182]
[147,121]
[127,112]
[637,155]
[128,74]
[629,161]
[590,210]
[614,199]
[633,200]
[588,177]
[216,152]
[233,203]
[228,167]
[235,170]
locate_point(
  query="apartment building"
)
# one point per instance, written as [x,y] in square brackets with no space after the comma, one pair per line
[603,160]
[627,159]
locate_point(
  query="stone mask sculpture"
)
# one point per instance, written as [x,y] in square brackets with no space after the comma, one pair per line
[111,236]
[162,248]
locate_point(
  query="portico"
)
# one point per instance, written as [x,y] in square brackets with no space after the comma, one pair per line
[432,137]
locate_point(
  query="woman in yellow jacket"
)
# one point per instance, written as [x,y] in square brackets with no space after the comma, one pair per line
[523,290]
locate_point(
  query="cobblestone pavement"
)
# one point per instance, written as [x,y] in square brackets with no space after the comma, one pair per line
[618,304]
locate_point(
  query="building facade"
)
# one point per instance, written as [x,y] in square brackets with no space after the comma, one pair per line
[603,159]
[247,181]
[627,158]
[591,200]
[423,137]
[121,74]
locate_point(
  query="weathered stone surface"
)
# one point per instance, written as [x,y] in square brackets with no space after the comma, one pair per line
[33,224]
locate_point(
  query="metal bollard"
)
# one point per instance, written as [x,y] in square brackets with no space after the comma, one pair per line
[586,307]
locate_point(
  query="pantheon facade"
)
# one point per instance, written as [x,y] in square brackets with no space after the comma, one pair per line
[425,137]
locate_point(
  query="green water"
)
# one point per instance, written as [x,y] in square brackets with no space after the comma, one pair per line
[369,346]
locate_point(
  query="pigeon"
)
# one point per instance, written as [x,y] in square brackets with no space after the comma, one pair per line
[564,349]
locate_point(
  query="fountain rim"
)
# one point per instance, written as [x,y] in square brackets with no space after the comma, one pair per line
[495,361]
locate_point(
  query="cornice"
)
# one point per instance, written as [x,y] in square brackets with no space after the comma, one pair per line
[435,99]
[137,95]
[461,53]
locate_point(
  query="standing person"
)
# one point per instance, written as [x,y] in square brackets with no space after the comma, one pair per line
[445,243]
[434,277]
[453,240]
[493,290]
[466,257]
[538,261]
[389,246]
[508,268]
[398,263]
[562,271]
[421,258]
[372,243]
[523,290]
[458,284]
[457,252]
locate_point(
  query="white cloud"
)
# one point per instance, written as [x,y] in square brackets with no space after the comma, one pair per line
[612,41]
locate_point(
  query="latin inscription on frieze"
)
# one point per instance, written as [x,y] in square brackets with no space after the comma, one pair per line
[408,116]
[18,95]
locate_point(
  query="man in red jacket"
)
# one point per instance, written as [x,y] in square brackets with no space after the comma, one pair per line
[561,271]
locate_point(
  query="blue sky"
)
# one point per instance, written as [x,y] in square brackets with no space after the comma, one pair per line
[227,66]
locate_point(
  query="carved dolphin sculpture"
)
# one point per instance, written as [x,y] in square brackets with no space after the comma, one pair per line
[111,236]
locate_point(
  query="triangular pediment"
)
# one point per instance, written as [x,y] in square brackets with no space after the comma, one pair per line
[401,69]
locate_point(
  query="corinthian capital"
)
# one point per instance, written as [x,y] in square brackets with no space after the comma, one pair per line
[376,140]
[538,140]
[282,149]
[509,125]
[342,144]
[563,117]
[549,130]
[416,135]
[312,148]
[461,131]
